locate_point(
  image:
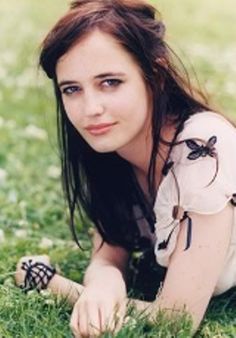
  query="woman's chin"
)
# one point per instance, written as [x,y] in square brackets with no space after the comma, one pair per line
[103,149]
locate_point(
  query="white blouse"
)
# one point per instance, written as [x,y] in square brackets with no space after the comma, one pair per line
[201,179]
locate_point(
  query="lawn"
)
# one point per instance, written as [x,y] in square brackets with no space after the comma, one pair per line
[33,218]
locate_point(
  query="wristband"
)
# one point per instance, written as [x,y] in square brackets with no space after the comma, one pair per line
[38,275]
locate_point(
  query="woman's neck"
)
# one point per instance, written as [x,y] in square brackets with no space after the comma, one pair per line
[139,156]
[138,153]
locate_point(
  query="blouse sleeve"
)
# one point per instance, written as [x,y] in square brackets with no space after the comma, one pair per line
[202,179]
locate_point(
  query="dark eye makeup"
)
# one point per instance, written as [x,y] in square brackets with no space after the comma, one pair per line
[70,90]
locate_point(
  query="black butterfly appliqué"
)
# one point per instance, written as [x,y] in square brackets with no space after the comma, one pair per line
[201,150]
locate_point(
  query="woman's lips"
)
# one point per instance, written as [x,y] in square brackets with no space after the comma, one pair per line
[99,129]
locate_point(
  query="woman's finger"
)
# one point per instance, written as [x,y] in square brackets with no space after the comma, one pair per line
[119,316]
[94,327]
[106,315]
[111,317]
[119,321]
[74,321]
[85,321]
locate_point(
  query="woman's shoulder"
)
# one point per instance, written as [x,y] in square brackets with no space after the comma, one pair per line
[202,178]
[202,167]
[202,124]
[204,133]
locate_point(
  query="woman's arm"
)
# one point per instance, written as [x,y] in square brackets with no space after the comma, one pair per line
[106,260]
[191,277]
[193,274]
[103,294]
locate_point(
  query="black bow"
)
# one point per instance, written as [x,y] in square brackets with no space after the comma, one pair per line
[164,244]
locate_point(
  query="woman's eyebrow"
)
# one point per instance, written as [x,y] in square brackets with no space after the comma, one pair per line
[101,76]
[66,82]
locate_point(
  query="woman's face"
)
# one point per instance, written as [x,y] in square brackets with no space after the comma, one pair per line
[104,94]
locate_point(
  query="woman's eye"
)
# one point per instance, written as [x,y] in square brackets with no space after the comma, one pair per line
[70,90]
[111,83]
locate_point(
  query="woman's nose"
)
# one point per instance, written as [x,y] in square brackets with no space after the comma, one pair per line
[93,105]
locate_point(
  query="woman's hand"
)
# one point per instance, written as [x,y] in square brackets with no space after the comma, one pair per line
[101,307]
[102,304]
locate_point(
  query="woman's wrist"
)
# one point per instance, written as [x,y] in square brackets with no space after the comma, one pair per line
[65,288]
[97,273]
[36,272]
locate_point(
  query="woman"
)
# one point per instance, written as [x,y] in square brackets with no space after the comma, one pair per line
[144,158]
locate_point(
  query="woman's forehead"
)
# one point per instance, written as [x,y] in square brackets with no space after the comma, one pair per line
[97,53]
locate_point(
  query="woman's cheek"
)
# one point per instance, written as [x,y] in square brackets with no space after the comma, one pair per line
[70,111]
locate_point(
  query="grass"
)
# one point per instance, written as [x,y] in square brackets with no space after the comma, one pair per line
[33,218]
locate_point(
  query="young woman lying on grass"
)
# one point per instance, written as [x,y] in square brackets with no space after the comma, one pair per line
[145,159]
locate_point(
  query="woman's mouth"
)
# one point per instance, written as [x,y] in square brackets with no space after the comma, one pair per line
[99,129]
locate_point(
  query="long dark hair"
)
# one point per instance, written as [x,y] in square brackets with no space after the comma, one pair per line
[103,187]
